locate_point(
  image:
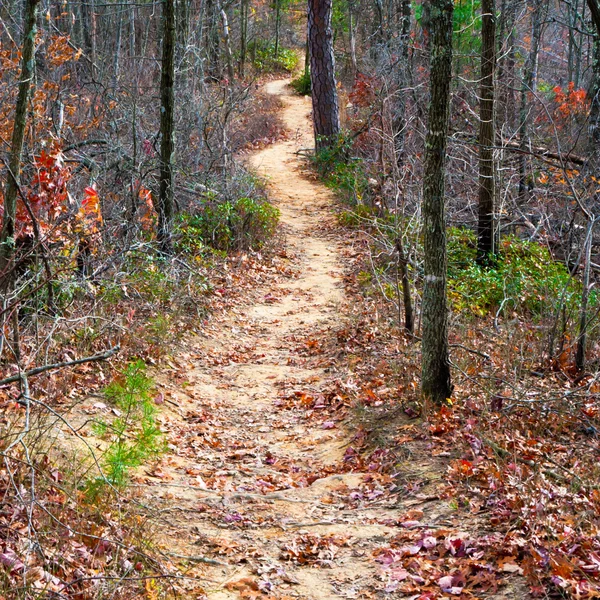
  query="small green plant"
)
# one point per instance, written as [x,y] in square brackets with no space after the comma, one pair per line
[246,223]
[133,435]
[301,84]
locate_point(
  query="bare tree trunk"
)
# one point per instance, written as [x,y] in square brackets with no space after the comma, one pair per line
[167,111]
[326,117]
[352,38]
[399,117]
[212,40]
[409,319]
[277,26]
[243,35]
[435,372]
[7,236]
[583,322]
[528,86]
[594,93]
[487,185]
[227,42]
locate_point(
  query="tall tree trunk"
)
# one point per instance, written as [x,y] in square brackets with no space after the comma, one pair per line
[212,40]
[528,86]
[7,236]
[487,188]
[594,92]
[435,370]
[399,137]
[277,26]
[326,117]
[399,117]
[243,35]
[352,39]
[167,119]
[583,320]
[227,43]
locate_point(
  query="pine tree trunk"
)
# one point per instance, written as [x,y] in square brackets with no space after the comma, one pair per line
[7,237]
[326,118]
[487,226]
[435,375]
[167,147]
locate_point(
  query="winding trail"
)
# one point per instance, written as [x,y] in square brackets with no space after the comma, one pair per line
[251,481]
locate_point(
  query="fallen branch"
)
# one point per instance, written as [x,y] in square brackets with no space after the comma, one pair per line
[544,153]
[61,365]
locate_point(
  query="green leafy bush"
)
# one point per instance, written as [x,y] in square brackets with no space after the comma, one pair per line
[133,435]
[301,84]
[246,223]
[524,277]
[264,59]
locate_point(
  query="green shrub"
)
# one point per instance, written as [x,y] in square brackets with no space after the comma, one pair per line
[246,223]
[301,84]
[133,435]
[524,278]
[264,59]
[342,173]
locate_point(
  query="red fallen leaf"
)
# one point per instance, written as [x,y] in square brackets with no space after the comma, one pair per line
[448,584]
[11,561]
[410,524]
[328,425]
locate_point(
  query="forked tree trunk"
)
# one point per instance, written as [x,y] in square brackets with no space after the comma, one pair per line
[435,374]
[487,226]
[7,237]
[326,117]
[167,111]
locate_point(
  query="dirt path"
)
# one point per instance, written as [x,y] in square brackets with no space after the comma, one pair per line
[256,479]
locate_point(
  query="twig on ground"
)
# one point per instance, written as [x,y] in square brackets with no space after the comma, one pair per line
[61,365]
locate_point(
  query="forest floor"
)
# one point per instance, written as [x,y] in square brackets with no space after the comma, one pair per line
[258,487]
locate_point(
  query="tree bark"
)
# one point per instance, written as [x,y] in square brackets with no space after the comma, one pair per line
[7,236]
[326,118]
[487,186]
[167,112]
[435,370]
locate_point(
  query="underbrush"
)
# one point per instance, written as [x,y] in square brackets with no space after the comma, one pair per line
[302,84]
[265,61]
[517,447]
[82,547]
[244,224]
[343,173]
